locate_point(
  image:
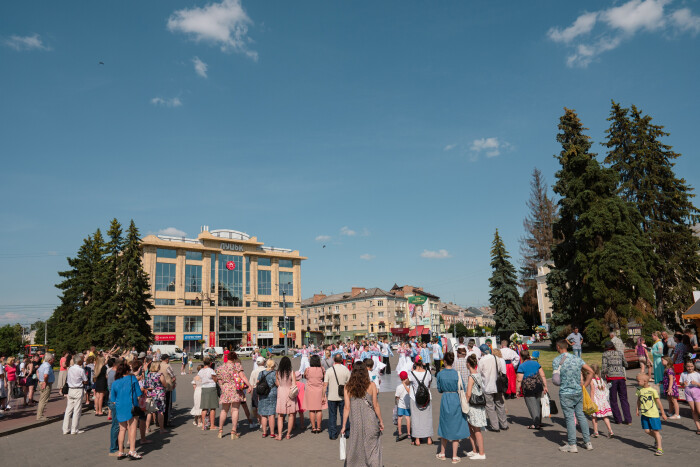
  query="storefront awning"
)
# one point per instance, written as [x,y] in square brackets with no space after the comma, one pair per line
[425,331]
[417,331]
[399,331]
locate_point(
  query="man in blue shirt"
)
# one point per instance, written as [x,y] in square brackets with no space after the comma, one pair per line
[386,351]
[575,339]
[46,378]
[571,395]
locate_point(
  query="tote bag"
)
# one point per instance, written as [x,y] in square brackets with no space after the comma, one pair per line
[462,396]
[342,447]
[544,400]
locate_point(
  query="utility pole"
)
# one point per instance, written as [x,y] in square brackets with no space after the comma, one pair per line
[45,329]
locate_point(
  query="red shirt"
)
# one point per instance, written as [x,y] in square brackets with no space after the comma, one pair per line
[11,372]
[63,364]
[226,352]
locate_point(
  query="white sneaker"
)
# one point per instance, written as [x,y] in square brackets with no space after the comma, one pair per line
[674,417]
[589,446]
[471,454]
[478,457]
[568,448]
[79,432]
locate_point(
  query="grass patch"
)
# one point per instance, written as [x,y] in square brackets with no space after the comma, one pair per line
[547,356]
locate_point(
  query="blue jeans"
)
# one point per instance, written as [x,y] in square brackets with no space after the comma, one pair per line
[334,406]
[114,430]
[577,352]
[573,405]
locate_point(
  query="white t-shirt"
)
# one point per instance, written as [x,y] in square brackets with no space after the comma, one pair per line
[436,352]
[688,377]
[206,374]
[403,396]
[475,350]
[419,377]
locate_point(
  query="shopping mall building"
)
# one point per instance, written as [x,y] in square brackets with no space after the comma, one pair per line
[224,287]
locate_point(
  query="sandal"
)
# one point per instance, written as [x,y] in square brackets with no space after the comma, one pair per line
[440,457]
[121,455]
[221,434]
[134,455]
[235,435]
[610,435]
[264,435]
[456,460]
[595,435]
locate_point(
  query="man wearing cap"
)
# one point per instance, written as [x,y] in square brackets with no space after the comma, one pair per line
[489,367]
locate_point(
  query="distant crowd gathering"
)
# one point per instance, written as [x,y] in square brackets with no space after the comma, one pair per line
[136,390]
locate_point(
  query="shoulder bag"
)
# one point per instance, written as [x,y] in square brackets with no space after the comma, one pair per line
[462,395]
[341,387]
[477,400]
[556,374]
[501,379]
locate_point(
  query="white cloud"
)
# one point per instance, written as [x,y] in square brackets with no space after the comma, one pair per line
[347,231]
[490,146]
[200,67]
[224,24]
[22,43]
[323,238]
[583,25]
[449,147]
[367,257]
[172,231]
[612,26]
[686,21]
[439,254]
[167,102]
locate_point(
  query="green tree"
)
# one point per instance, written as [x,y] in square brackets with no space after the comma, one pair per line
[134,288]
[647,179]
[602,263]
[458,330]
[503,295]
[104,324]
[10,339]
[536,245]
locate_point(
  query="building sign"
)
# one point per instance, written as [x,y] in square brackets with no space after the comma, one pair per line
[192,337]
[231,246]
[212,339]
[265,335]
[165,337]
[230,265]
[417,299]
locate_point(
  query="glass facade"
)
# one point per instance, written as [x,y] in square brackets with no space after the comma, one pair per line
[166,253]
[195,302]
[230,281]
[290,323]
[165,301]
[193,256]
[165,276]
[264,262]
[193,278]
[264,282]
[247,274]
[264,304]
[286,263]
[286,282]
[192,324]
[163,324]
[212,277]
[230,330]
[264,323]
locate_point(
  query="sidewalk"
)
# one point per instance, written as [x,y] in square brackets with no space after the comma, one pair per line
[20,418]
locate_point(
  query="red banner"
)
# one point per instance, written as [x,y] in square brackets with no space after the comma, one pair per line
[165,337]
[249,338]
[212,339]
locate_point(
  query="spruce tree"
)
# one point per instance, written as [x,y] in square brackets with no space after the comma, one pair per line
[665,203]
[601,265]
[536,246]
[503,296]
[134,288]
[105,329]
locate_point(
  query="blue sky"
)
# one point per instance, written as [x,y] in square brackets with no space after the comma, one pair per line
[399,134]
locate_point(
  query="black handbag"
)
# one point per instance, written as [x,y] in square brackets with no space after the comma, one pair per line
[341,387]
[501,379]
[553,409]
[477,400]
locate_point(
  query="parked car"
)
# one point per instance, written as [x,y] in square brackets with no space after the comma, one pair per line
[277,349]
[173,351]
[208,352]
[245,351]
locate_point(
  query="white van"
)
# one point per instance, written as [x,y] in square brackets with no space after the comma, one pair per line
[174,351]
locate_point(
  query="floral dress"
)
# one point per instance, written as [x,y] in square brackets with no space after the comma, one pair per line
[601,397]
[156,390]
[670,379]
[227,375]
[477,415]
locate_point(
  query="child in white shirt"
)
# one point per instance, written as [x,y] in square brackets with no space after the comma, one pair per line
[401,399]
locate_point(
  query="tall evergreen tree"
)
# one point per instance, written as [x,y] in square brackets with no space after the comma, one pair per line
[601,265]
[134,288]
[104,325]
[536,245]
[503,296]
[665,203]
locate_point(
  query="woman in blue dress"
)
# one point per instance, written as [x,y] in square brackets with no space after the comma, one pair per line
[453,423]
[267,405]
[125,395]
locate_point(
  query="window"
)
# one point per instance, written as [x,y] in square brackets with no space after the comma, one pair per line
[290,323]
[264,282]
[354,316]
[166,253]
[264,323]
[286,282]
[353,306]
[264,304]
[371,315]
[247,304]
[212,277]
[195,302]
[165,301]
[193,278]
[247,274]
[380,314]
[230,281]
[345,317]
[163,324]
[230,324]
[165,277]
[302,322]
[346,328]
[193,256]
[380,302]
[286,263]
[192,324]
[337,308]
[264,262]
[247,323]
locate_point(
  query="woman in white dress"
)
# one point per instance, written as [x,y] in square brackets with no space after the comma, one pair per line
[476,417]
[196,410]
[304,359]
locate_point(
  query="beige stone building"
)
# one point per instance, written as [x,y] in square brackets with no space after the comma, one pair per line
[225,287]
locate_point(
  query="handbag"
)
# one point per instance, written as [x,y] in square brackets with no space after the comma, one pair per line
[501,379]
[462,395]
[544,401]
[64,389]
[293,392]
[239,383]
[477,400]
[342,447]
[553,409]
[341,387]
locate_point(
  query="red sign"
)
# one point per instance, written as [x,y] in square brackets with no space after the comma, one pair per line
[293,335]
[212,339]
[165,337]
[249,338]
[230,265]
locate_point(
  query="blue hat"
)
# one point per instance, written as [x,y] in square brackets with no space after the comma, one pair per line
[484,349]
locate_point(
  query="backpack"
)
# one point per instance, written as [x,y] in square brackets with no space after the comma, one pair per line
[422,394]
[262,388]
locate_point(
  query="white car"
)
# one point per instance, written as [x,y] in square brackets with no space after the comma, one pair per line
[245,351]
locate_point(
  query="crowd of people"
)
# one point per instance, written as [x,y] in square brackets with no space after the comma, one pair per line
[134,391]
